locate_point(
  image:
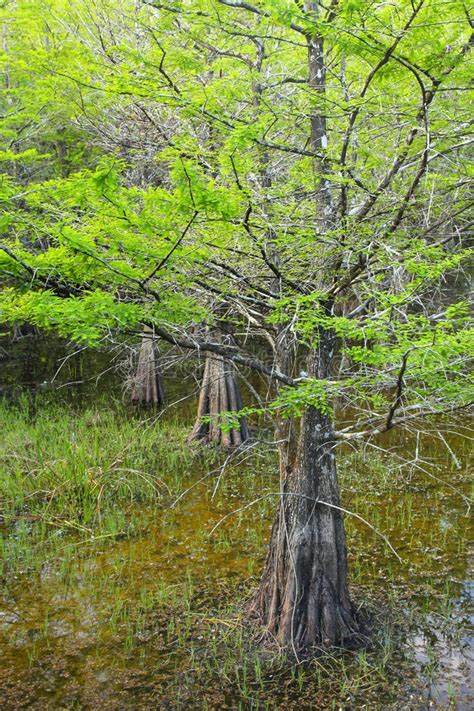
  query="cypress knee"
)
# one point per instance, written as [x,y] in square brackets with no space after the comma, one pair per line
[220,392]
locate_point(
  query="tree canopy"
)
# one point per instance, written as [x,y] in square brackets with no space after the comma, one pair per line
[283,167]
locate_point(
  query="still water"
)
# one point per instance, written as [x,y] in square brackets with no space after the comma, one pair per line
[138,620]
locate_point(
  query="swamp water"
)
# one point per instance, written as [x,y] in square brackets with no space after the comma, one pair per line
[116,595]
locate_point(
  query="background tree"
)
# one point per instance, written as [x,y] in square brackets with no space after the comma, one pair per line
[311,183]
[147,383]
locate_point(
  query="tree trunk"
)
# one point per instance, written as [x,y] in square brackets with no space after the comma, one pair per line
[220,392]
[303,598]
[147,384]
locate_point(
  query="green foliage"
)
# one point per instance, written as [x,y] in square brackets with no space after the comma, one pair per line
[86,319]
[158,167]
[311,393]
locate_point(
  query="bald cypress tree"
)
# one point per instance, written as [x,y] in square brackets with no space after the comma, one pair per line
[311,178]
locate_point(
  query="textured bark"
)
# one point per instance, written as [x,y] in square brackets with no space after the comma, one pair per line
[147,384]
[303,599]
[220,392]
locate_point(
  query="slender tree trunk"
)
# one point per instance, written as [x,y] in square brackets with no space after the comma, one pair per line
[220,392]
[303,598]
[5,51]
[147,383]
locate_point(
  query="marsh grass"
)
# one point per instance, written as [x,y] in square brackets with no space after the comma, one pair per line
[219,659]
[70,468]
[68,476]
[87,505]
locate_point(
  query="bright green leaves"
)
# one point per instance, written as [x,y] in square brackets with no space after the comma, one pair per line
[458,314]
[438,351]
[243,136]
[86,320]
[176,308]
[163,173]
[196,191]
[292,402]
[92,317]
[104,239]
[308,316]
[431,262]
[27,156]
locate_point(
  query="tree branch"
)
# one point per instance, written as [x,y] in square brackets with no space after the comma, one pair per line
[228,352]
[398,396]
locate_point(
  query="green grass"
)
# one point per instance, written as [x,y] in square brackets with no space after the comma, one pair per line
[88,475]
[72,469]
